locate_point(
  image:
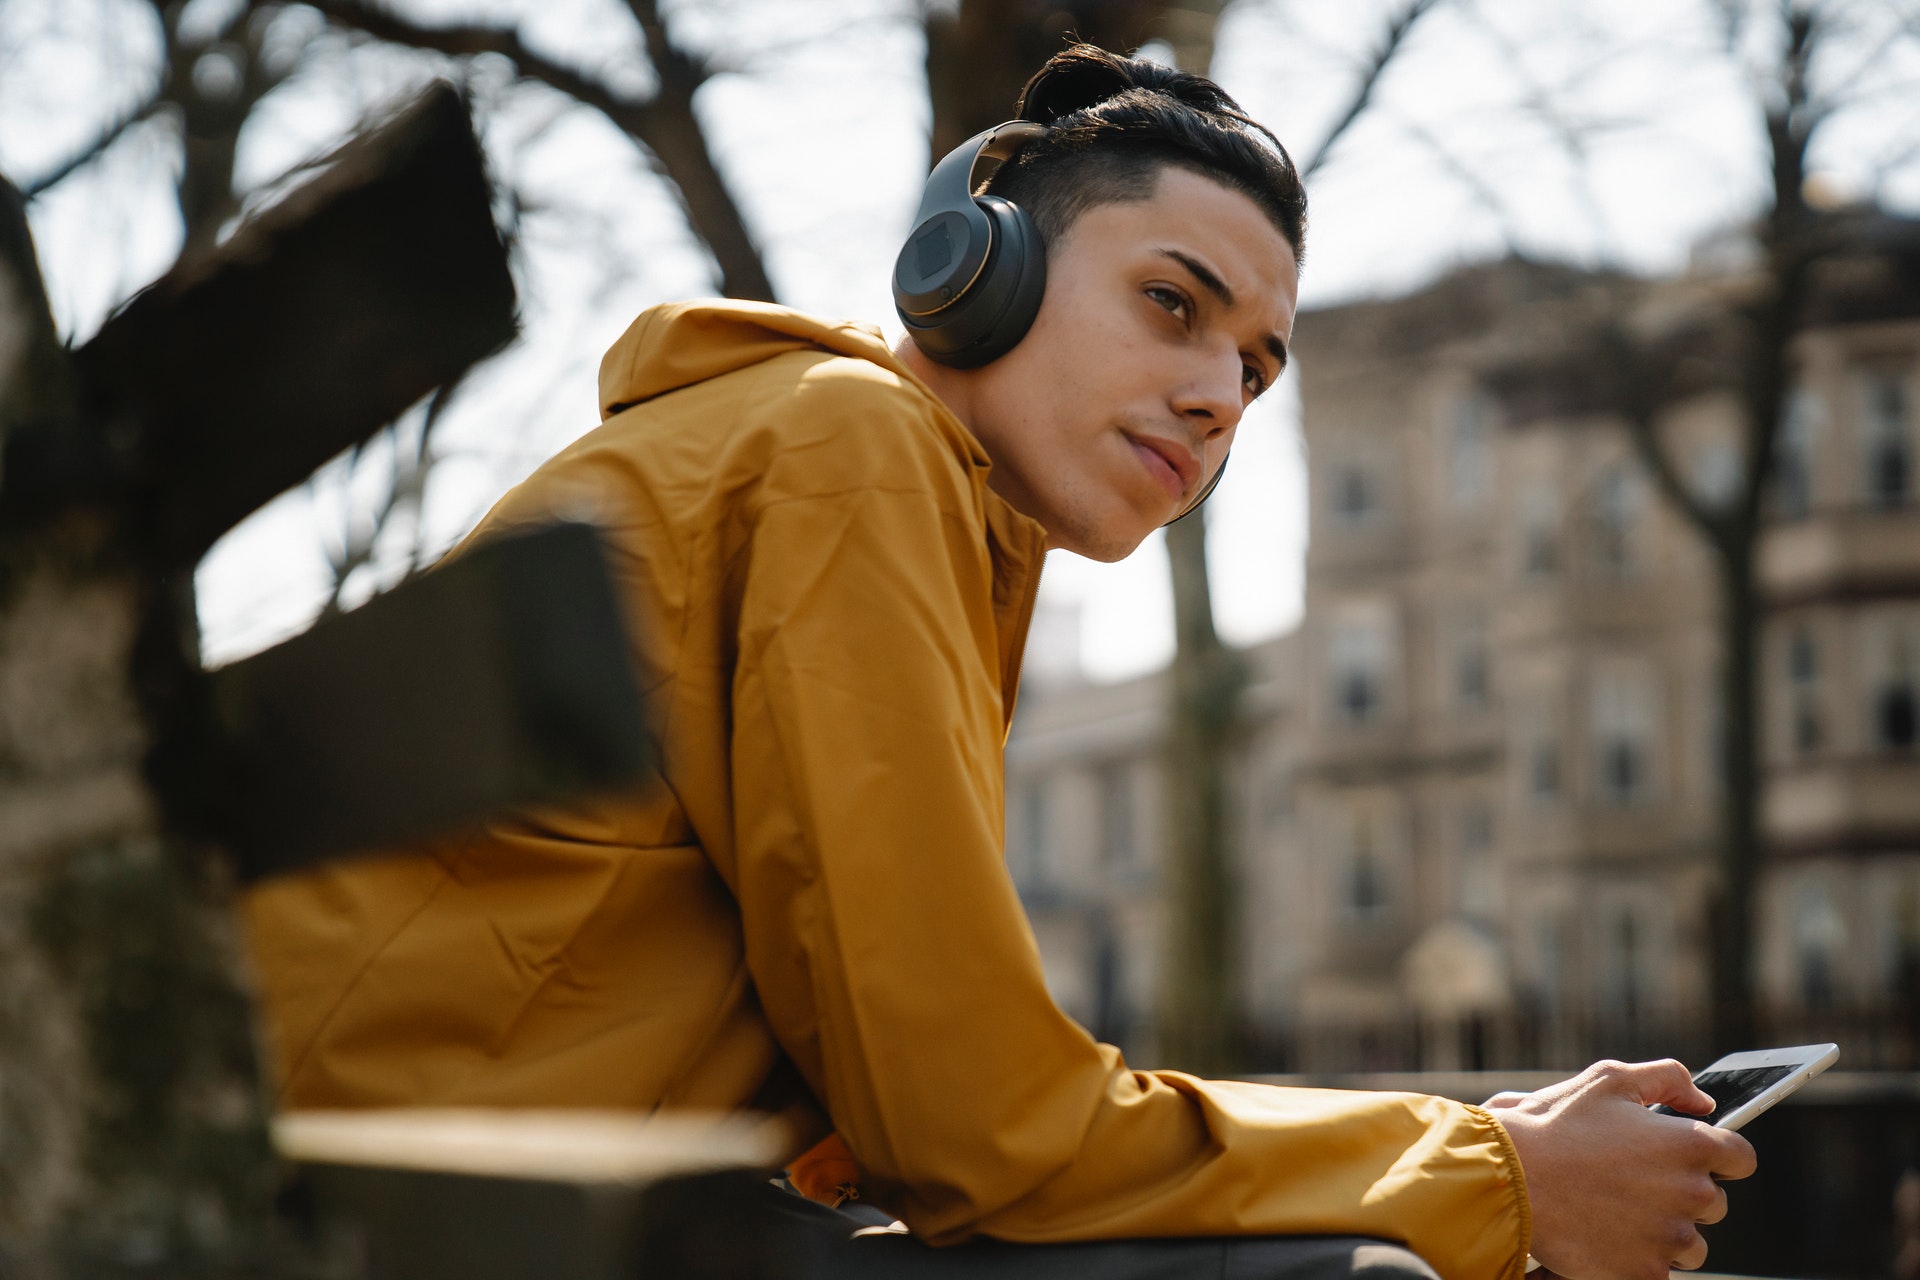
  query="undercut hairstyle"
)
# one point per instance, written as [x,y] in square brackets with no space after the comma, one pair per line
[1113,123]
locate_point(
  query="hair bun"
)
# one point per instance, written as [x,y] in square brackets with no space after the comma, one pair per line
[1078,77]
[1083,76]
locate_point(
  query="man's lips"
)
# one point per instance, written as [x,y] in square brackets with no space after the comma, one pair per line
[1173,465]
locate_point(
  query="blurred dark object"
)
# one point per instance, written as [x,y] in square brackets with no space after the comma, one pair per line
[235,375]
[475,1195]
[1821,1203]
[135,1116]
[500,679]
[1906,1226]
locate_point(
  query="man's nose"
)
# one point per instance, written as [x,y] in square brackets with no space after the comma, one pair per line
[1210,401]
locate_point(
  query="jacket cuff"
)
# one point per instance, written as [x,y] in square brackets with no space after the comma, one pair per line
[1516,1184]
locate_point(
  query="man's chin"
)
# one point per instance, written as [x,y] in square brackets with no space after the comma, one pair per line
[1106,546]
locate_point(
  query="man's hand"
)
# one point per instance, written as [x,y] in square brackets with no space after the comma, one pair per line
[1618,1191]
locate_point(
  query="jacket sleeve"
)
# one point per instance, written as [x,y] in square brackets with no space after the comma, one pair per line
[898,970]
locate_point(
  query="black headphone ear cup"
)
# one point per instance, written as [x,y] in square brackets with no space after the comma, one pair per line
[993,311]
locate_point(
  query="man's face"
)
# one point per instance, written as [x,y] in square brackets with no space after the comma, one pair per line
[1162,320]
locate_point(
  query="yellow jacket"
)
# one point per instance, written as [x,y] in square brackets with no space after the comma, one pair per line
[828,607]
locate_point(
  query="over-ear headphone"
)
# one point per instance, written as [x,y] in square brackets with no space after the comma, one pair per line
[968,282]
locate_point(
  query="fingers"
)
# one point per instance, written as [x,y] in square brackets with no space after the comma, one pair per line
[1665,1082]
[1719,1153]
[1715,1210]
[1617,1190]
[1734,1156]
[1693,1254]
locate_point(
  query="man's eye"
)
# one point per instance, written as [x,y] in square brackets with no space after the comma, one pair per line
[1254,381]
[1168,298]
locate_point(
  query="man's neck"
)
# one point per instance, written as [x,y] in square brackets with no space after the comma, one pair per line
[955,388]
[952,386]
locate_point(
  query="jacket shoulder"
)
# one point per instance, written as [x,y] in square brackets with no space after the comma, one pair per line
[838,422]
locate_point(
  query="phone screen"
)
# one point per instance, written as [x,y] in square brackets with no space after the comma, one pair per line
[1731,1089]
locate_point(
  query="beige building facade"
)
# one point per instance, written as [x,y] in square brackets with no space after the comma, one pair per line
[1476,790]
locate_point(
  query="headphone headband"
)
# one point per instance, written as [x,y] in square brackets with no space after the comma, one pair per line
[954,180]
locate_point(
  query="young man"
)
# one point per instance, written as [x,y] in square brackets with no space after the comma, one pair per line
[831,552]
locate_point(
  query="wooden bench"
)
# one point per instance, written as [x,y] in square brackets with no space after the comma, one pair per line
[561,1195]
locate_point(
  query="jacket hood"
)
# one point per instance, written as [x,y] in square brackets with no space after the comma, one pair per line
[680,343]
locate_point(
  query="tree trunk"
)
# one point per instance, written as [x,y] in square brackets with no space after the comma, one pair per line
[1202,1020]
[1791,239]
[130,1099]
[1730,911]
[982,52]
[1200,1017]
[977,60]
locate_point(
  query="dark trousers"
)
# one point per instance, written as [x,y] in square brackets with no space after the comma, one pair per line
[838,1253]
[1248,1258]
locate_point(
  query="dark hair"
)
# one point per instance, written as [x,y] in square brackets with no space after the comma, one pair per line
[1114,122]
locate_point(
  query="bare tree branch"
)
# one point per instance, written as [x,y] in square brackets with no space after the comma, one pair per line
[632,116]
[1399,26]
[751,59]
[97,146]
[665,125]
[1639,393]
[213,113]
[679,73]
[1540,102]
[1483,192]
[407,492]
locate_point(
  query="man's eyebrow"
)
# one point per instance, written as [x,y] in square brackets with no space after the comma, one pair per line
[1214,285]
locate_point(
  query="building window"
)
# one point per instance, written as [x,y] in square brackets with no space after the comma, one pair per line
[1476,828]
[1355,498]
[1623,771]
[1550,946]
[1366,890]
[1888,448]
[1896,717]
[1110,1013]
[1031,838]
[1543,771]
[1117,843]
[1469,653]
[1626,947]
[1471,674]
[1904,945]
[1358,658]
[1803,684]
[1623,713]
[1539,532]
[1793,459]
[1717,472]
[1276,800]
[1479,880]
[1818,933]
[1470,449]
[1616,513]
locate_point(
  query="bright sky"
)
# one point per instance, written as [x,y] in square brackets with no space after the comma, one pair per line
[1602,131]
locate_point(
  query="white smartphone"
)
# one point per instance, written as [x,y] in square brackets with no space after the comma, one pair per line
[1742,1085]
